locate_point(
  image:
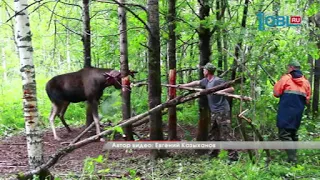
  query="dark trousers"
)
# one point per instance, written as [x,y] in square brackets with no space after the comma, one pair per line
[221,130]
[289,135]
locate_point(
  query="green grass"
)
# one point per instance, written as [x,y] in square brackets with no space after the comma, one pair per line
[11,110]
[203,168]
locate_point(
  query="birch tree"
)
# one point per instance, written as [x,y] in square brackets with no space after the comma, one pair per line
[24,45]
[4,65]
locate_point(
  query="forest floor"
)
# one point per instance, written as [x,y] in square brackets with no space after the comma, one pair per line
[13,150]
[86,162]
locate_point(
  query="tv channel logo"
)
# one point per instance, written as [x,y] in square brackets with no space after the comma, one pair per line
[277,21]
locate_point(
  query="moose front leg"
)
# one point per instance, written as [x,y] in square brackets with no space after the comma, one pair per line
[89,117]
[93,107]
[53,114]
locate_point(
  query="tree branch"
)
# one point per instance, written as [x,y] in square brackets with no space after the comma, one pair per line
[188,24]
[129,10]
[69,28]
[62,16]
[193,11]
[130,4]
[70,4]
[29,5]
[52,12]
[256,131]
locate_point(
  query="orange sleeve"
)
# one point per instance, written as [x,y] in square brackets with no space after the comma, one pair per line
[279,86]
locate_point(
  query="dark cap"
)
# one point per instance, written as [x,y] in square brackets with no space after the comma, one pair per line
[210,67]
[294,63]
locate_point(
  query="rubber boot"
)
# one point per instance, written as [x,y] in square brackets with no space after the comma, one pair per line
[292,155]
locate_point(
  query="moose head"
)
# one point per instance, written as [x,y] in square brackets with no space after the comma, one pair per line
[114,78]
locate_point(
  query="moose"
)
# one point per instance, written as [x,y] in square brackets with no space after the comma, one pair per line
[86,84]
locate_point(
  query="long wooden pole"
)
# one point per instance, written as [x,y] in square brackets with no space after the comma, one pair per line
[244,98]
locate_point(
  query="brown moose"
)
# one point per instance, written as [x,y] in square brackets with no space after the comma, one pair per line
[86,84]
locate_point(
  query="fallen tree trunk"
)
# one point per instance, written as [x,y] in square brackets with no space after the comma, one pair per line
[178,100]
[142,120]
[145,120]
[136,124]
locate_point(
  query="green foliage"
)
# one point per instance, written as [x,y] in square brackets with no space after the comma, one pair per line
[202,167]
[139,100]
[90,168]
[11,108]
[188,113]
[111,105]
[313,9]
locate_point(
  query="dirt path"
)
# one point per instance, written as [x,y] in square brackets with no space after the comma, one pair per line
[13,150]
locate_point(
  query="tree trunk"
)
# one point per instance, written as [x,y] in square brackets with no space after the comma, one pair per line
[4,65]
[86,39]
[225,55]
[24,45]
[126,103]
[219,39]
[310,61]
[310,79]
[239,45]
[316,83]
[154,74]
[68,50]
[237,56]
[192,57]
[172,66]
[205,52]
[86,34]
[180,73]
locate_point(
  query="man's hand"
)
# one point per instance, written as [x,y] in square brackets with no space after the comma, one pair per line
[275,94]
[308,101]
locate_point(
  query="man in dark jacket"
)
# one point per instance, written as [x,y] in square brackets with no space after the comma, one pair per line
[294,92]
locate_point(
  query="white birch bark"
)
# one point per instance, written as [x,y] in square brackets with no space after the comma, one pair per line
[4,65]
[23,39]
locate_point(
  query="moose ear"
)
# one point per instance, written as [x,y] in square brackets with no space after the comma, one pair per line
[131,73]
[107,75]
[118,75]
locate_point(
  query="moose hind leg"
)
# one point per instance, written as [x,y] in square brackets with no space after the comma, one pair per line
[53,114]
[63,109]
[94,108]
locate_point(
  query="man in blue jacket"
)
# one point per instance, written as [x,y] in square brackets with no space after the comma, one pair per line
[294,92]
